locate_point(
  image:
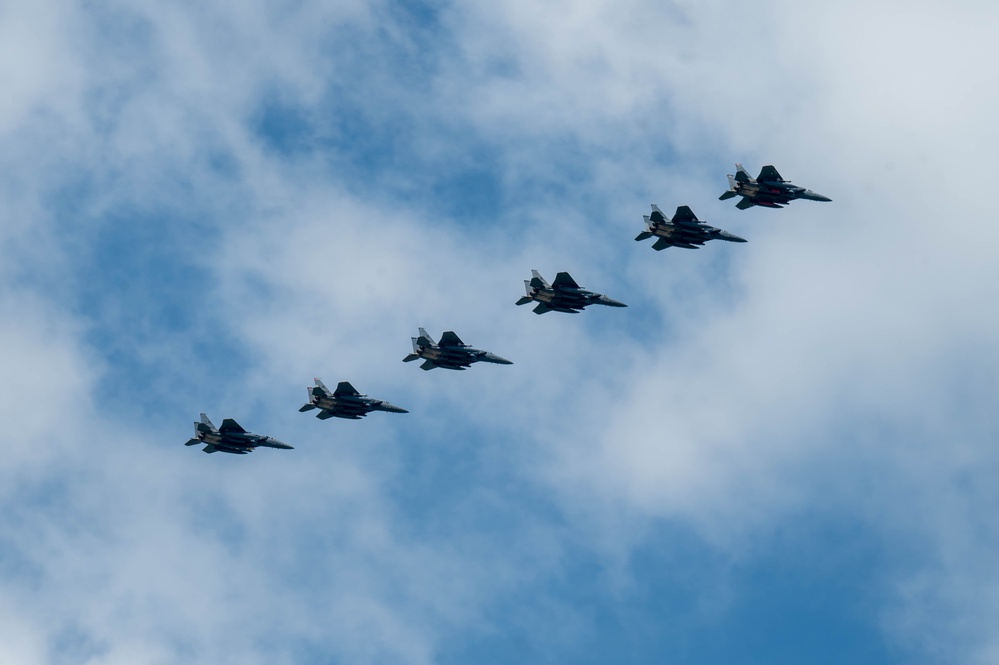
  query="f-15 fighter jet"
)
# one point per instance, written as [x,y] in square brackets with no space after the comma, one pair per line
[230,438]
[344,402]
[684,230]
[563,295]
[450,353]
[768,189]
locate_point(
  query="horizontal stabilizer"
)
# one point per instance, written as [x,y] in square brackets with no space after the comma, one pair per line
[410,358]
[661,244]
[746,202]
[324,415]
[524,300]
[209,449]
[193,442]
[307,407]
[727,195]
[428,365]
[542,308]
[644,235]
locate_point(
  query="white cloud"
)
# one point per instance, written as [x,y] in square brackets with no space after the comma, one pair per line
[842,358]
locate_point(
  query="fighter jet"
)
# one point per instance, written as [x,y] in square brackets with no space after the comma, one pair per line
[344,402]
[768,189]
[230,438]
[685,230]
[564,295]
[451,353]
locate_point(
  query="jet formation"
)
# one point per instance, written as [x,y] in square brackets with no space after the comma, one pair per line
[684,230]
[450,353]
[344,402]
[769,189]
[230,438]
[562,295]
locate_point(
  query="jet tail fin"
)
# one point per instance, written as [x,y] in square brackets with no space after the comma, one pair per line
[538,281]
[657,215]
[647,233]
[731,189]
[206,421]
[741,174]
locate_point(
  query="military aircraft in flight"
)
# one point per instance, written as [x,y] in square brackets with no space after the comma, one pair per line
[684,230]
[230,438]
[562,295]
[769,189]
[344,402]
[450,353]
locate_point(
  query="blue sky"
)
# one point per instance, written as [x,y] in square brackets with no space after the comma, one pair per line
[781,452]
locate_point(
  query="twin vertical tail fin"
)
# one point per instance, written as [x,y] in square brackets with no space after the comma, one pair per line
[538,281]
[423,340]
[647,233]
[527,298]
[205,425]
[741,174]
[731,189]
[309,406]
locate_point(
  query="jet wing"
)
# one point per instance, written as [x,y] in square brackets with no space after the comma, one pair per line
[450,339]
[687,242]
[769,173]
[563,280]
[685,215]
[230,425]
[344,388]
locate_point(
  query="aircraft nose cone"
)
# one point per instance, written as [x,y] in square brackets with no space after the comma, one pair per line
[392,408]
[610,302]
[280,444]
[816,197]
[492,357]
